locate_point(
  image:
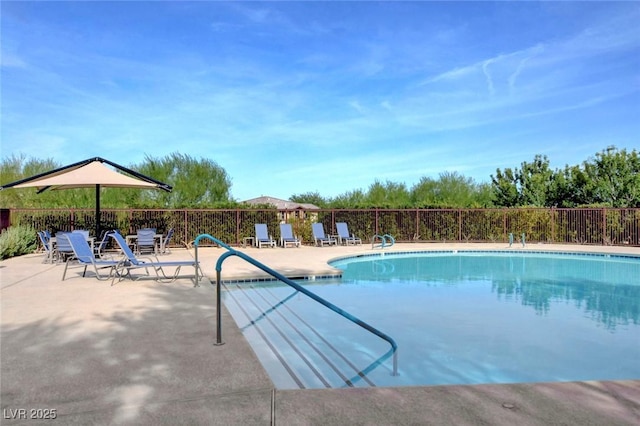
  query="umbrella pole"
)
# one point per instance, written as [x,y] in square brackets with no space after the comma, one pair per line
[97,212]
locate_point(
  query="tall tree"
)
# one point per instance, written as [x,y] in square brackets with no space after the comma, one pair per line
[455,190]
[505,188]
[388,195]
[196,183]
[535,181]
[452,190]
[568,188]
[310,198]
[20,167]
[614,178]
[425,193]
[350,199]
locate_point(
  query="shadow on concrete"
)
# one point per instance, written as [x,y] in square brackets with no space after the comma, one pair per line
[148,358]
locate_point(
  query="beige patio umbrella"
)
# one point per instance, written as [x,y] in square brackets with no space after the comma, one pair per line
[88,174]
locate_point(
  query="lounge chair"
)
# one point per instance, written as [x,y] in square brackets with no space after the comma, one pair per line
[319,237]
[286,236]
[100,249]
[46,246]
[146,241]
[63,249]
[263,237]
[344,236]
[165,243]
[82,232]
[132,262]
[83,255]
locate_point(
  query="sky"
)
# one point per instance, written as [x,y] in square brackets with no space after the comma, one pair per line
[329,97]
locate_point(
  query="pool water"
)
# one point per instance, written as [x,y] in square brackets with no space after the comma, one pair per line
[458,318]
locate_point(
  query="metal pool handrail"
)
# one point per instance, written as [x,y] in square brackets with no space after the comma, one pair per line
[232,252]
[383,239]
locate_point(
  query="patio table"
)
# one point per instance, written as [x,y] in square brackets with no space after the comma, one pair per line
[54,249]
[132,238]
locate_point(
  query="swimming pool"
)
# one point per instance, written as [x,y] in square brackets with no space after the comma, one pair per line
[458,318]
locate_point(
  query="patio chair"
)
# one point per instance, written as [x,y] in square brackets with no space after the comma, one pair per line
[287,237]
[100,249]
[46,246]
[132,262]
[83,255]
[82,232]
[262,236]
[319,237]
[146,241]
[344,236]
[165,243]
[63,249]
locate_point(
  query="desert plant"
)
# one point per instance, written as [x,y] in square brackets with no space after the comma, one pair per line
[17,240]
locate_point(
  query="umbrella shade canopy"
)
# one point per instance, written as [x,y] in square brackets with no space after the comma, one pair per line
[89,173]
[87,176]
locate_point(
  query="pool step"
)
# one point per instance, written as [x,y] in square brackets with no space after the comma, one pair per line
[285,330]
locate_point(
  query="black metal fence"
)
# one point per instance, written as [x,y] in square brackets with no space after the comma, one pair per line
[605,226]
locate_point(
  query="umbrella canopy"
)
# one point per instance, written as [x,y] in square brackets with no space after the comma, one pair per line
[88,174]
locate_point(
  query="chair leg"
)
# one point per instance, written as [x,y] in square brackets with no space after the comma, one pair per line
[66,265]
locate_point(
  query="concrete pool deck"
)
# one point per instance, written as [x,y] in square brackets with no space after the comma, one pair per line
[143,353]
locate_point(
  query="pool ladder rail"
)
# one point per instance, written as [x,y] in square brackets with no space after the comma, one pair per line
[386,240]
[232,252]
[522,240]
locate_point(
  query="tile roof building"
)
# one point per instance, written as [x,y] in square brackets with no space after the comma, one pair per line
[288,209]
[281,204]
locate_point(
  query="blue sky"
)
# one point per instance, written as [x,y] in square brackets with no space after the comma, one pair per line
[295,97]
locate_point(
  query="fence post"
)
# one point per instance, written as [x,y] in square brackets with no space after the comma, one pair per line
[605,237]
[238,226]
[5,219]
[186,227]
[504,222]
[552,219]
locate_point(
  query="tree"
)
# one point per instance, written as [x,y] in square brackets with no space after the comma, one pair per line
[350,199]
[451,190]
[310,198]
[388,195]
[613,178]
[196,183]
[535,181]
[425,193]
[455,190]
[505,188]
[568,188]
[20,167]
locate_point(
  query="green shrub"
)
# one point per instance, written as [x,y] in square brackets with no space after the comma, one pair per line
[18,240]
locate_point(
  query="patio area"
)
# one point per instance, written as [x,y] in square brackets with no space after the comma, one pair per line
[143,352]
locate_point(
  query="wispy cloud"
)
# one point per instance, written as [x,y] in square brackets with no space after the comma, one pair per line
[400,90]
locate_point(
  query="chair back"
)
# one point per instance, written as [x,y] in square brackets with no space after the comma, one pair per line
[286,231]
[62,243]
[45,241]
[343,229]
[80,247]
[168,237]
[82,232]
[126,250]
[146,239]
[103,243]
[262,233]
[318,231]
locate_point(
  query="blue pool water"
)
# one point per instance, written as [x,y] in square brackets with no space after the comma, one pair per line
[458,318]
